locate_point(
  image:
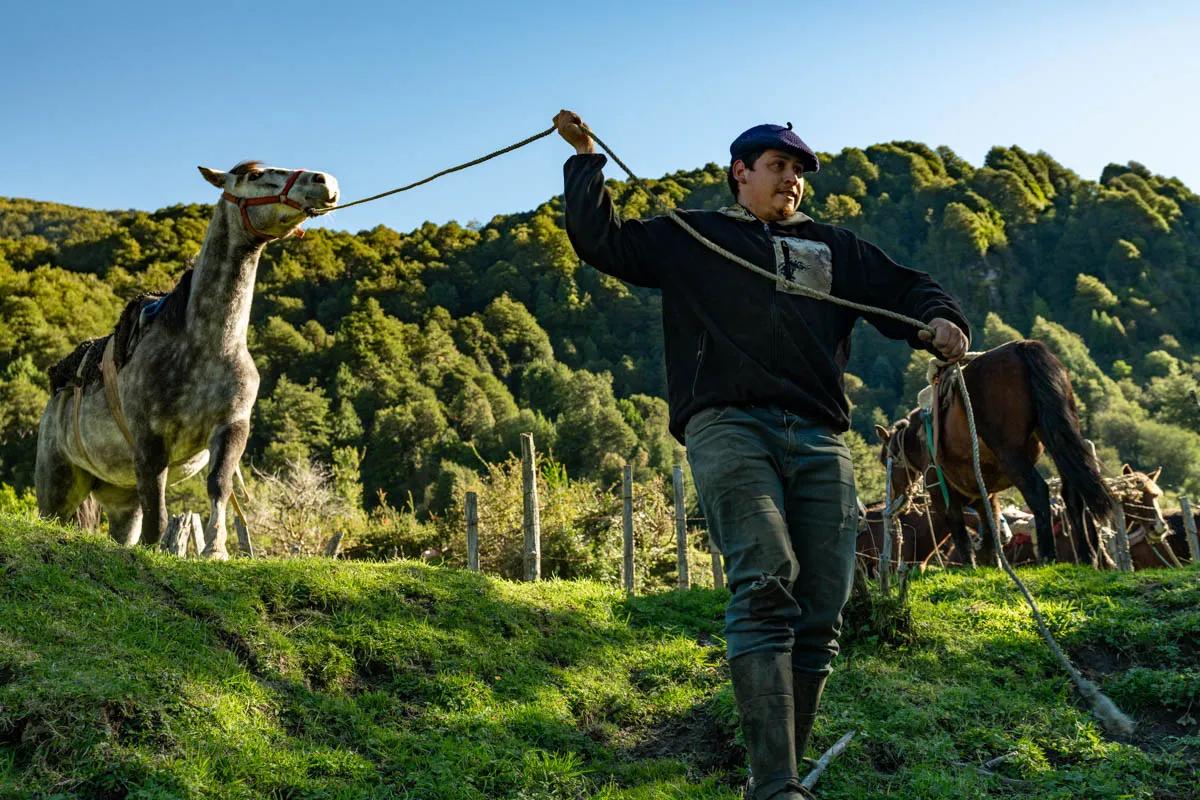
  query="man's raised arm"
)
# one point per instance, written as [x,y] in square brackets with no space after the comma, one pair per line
[622,248]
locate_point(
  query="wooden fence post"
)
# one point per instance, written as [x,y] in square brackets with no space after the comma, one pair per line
[627,519]
[1121,539]
[681,527]
[1189,526]
[472,531]
[717,567]
[196,526]
[243,537]
[175,540]
[532,515]
[885,550]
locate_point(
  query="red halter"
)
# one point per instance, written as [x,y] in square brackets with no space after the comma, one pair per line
[282,198]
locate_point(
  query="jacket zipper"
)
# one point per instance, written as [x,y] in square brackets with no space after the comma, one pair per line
[774,291]
[699,363]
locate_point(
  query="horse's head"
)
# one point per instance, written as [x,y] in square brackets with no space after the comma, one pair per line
[273,201]
[1139,493]
[903,447]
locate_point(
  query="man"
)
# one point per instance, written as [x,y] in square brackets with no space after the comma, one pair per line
[754,379]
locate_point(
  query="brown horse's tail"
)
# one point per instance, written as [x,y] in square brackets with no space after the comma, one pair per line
[1058,427]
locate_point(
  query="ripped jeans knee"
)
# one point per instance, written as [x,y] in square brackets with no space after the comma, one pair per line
[761,615]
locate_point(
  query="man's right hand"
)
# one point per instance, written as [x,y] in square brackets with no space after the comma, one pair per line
[571,128]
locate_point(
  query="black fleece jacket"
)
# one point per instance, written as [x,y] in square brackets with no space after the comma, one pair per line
[736,338]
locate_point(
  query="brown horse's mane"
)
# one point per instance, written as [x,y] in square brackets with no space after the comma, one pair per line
[172,314]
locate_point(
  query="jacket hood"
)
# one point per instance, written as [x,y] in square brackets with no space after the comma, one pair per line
[738,211]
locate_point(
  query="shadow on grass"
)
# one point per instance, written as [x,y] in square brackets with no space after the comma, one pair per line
[395,674]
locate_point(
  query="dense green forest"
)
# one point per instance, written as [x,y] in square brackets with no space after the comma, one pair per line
[403,366]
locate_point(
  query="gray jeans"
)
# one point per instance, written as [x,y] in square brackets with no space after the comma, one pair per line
[778,492]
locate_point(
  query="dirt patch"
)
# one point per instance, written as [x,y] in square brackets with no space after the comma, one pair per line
[1096,661]
[1161,729]
[697,738]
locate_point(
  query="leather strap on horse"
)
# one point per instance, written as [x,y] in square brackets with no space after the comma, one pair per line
[108,368]
[76,413]
[243,203]
[931,443]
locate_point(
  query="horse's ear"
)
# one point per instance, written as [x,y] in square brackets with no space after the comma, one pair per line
[214,176]
[882,433]
[1126,469]
[1154,475]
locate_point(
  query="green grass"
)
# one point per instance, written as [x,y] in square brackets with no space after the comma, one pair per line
[130,674]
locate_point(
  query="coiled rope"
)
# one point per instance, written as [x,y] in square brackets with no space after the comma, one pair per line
[1110,716]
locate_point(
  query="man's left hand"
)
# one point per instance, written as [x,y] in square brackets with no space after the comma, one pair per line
[947,338]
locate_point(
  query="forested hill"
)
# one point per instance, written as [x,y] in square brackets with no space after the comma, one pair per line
[405,360]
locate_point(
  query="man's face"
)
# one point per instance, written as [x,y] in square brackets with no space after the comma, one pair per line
[773,188]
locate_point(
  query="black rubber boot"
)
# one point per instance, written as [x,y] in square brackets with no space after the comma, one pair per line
[762,684]
[806,694]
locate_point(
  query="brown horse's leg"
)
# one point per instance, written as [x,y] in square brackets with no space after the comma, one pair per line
[964,554]
[1033,488]
[1087,540]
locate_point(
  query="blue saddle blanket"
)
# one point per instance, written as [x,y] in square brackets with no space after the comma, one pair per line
[150,310]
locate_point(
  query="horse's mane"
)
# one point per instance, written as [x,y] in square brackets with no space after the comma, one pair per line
[172,314]
[249,165]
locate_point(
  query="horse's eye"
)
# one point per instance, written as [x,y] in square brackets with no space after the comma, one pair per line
[256,175]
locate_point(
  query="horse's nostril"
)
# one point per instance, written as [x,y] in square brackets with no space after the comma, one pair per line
[318,178]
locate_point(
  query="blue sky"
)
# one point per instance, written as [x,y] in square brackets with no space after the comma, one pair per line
[112,105]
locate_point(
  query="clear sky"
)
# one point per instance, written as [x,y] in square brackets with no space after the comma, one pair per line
[113,104]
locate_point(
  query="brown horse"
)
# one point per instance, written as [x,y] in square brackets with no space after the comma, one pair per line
[917,538]
[1023,404]
[1150,536]
[1177,539]
[923,533]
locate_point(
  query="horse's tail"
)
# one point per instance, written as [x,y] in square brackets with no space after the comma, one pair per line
[1058,427]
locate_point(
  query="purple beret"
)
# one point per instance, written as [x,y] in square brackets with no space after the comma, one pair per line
[777,137]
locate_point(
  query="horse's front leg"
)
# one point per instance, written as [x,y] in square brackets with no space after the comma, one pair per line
[226,445]
[150,462]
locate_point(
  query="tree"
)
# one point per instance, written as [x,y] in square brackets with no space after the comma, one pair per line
[869,476]
[293,424]
[996,332]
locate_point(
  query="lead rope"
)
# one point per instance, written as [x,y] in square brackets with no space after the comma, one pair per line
[316,212]
[1105,709]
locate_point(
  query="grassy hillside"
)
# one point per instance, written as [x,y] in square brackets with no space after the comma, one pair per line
[130,674]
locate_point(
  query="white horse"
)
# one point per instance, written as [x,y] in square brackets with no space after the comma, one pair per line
[173,393]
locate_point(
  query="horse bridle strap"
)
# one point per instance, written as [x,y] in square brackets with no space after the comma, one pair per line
[243,204]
